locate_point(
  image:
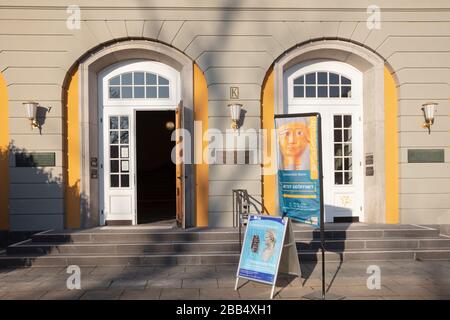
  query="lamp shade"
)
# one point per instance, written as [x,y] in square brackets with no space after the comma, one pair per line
[31,109]
[235,111]
[429,109]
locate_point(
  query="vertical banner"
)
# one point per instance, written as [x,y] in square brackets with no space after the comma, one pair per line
[299,185]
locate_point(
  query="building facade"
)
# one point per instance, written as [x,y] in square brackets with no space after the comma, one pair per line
[113,80]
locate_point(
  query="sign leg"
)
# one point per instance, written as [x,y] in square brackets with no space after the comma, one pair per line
[273,290]
[236,285]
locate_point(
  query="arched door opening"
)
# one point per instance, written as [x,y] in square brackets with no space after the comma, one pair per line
[137,119]
[334,89]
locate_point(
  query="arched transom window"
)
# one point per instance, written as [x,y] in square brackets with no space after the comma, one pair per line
[139,85]
[322,84]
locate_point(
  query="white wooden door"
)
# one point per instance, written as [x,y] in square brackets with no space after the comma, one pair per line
[342,158]
[334,89]
[119,164]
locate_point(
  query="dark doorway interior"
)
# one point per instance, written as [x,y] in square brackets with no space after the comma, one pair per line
[155,169]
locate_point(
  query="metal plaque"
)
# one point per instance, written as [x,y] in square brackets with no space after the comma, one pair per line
[426,156]
[36,159]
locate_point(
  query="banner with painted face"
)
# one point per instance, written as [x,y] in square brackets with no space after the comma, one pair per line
[298,166]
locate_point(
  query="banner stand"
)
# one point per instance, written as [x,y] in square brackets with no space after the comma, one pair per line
[288,262]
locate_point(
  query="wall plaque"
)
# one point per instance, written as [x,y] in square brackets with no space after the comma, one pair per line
[35,159]
[426,156]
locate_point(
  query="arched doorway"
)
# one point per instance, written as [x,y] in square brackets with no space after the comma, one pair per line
[129,58]
[378,118]
[138,100]
[334,89]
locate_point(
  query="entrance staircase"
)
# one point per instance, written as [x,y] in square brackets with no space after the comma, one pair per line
[141,246]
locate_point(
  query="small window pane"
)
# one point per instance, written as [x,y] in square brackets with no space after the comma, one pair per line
[310,92]
[124,152]
[348,149]
[337,121]
[322,78]
[114,165]
[348,178]
[139,92]
[347,163]
[347,121]
[114,92]
[113,151]
[338,149]
[334,92]
[338,178]
[123,122]
[300,80]
[334,78]
[151,78]
[338,135]
[348,135]
[151,92]
[163,92]
[322,92]
[346,92]
[345,80]
[337,163]
[127,92]
[113,122]
[124,166]
[125,179]
[139,78]
[163,81]
[113,137]
[299,91]
[126,79]
[311,78]
[114,180]
[115,81]
[124,137]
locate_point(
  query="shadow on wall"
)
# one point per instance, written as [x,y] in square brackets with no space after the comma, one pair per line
[36,182]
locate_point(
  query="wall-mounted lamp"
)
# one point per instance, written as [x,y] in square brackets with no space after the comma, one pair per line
[429,109]
[31,109]
[235,109]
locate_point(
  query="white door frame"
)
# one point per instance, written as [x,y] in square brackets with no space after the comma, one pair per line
[328,107]
[129,107]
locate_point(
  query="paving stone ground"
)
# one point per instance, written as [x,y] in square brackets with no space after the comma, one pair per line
[399,280]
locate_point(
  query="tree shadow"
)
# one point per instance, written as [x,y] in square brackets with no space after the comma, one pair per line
[33,178]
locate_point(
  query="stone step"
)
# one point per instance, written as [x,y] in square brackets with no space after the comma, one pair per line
[188,236]
[213,258]
[29,247]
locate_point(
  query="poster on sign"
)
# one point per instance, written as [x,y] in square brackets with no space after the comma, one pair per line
[299,181]
[268,243]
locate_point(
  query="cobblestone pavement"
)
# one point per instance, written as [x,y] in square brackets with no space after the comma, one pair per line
[399,280]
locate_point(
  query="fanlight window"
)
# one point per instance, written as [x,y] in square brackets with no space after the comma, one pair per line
[138,85]
[322,85]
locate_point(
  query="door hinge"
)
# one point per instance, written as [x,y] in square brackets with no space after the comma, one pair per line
[101,120]
[102,212]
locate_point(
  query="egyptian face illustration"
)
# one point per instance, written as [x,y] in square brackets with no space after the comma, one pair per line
[293,139]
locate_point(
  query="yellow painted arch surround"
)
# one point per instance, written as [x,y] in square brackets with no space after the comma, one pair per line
[391,144]
[4,152]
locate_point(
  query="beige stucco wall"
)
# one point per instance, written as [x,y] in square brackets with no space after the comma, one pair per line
[234,43]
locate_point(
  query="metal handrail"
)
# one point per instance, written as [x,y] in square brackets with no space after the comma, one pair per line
[242,207]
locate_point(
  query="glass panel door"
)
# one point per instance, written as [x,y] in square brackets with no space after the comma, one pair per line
[118,162]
